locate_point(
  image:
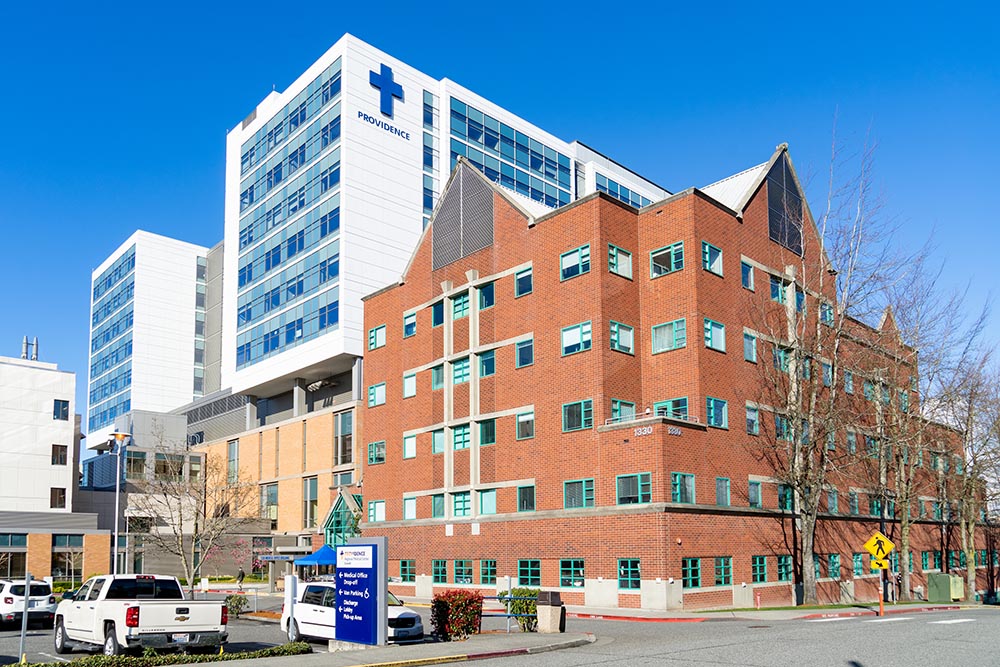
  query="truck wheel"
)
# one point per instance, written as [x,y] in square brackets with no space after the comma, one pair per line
[59,639]
[111,646]
[293,631]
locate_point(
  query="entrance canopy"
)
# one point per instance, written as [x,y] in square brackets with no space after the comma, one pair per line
[325,555]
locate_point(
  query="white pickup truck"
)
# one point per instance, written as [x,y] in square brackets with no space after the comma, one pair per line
[132,611]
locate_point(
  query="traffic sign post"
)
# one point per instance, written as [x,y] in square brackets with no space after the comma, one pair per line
[880,546]
[362,591]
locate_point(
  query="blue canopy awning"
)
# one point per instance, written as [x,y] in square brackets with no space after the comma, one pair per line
[325,555]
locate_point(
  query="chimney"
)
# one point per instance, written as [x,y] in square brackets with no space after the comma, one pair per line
[34,349]
[24,348]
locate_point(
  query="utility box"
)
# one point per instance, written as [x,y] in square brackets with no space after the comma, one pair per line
[945,588]
[550,612]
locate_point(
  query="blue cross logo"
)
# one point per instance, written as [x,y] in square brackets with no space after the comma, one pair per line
[387,88]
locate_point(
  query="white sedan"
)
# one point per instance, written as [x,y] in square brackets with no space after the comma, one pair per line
[316,616]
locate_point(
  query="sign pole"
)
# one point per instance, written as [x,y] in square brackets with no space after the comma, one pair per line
[881,597]
[24,616]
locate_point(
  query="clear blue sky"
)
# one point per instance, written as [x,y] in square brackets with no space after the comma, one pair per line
[114,115]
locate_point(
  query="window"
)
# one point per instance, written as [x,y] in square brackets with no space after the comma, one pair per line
[437,442]
[488,572]
[753,420]
[57,498]
[750,348]
[488,432]
[852,498]
[716,412]
[571,572]
[460,371]
[487,363]
[869,390]
[724,571]
[628,574]
[376,337]
[778,289]
[800,300]
[715,335]
[407,571]
[576,338]
[577,416]
[852,442]
[459,306]
[666,260]
[858,564]
[848,382]
[376,394]
[622,410]
[376,452]
[781,359]
[681,487]
[574,263]
[669,336]
[439,570]
[486,296]
[409,385]
[722,491]
[746,275]
[833,566]
[59,453]
[460,437]
[437,377]
[832,501]
[524,353]
[633,489]
[904,400]
[578,493]
[826,313]
[711,258]
[753,495]
[691,572]
[758,569]
[409,508]
[461,503]
[782,428]
[526,499]
[674,408]
[488,501]
[529,573]
[522,282]
[786,498]
[376,510]
[525,425]
[622,338]
[619,261]
[437,314]
[409,446]
[437,505]
[60,410]
[409,325]
[827,374]
[784,568]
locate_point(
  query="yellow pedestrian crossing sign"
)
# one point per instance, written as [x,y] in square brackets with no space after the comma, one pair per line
[882,564]
[879,547]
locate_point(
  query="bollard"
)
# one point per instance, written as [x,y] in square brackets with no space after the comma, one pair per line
[758,600]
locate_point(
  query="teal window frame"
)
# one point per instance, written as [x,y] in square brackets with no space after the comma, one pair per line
[672,408]
[617,329]
[523,283]
[716,412]
[580,263]
[487,296]
[519,347]
[373,507]
[857,564]
[437,506]
[833,566]
[374,336]
[407,571]
[439,571]
[782,428]
[826,313]
[522,498]
[571,572]
[852,442]
[487,363]
[758,569]
[586,407]
[711,258]
[529,572]
[586,493]
[781,358]
[437,441]
[409,446]
[673,255]
[373,395]
[778,288]
[629,574]
[461,437]
[487,572]
[409,508]
[690,573]
[376,452]
[460,371]
[832,501]
[639,489]
[622,410]
[723,570]
[487,432]
[437,377]
[460,306]
[723,497]
[753,420]
[848,382]
[461,504]
[615,263]
[749,347]
[755,495]
[409,385]
[853,503]
[518,421]
[715,335]
[827,374]
[746,276]
[437,313]
[682,488]
[786,498]
[675,331]
[409,325]
[784,567]
[584,331]
[463,571]
[488,501]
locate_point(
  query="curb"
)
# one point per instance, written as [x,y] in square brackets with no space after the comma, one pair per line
[484,655]
[637,619]
[872,612]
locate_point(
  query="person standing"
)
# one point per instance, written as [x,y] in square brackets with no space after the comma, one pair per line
[240,576]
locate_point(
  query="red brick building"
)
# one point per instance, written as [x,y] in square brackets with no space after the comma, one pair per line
[562,397]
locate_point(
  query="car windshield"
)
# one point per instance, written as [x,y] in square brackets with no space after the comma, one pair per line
[394,601]
[37,590]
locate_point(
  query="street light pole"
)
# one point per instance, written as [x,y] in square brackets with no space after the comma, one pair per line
[119,441]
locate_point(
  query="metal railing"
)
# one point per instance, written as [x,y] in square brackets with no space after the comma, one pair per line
[506,601]
[661,412]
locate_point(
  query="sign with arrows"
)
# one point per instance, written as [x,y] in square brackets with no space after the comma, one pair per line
[361,591]
[878,564]
[879,546]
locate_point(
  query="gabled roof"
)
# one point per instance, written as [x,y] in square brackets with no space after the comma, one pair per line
[731,190]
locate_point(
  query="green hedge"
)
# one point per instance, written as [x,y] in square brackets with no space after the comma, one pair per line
[527,623]
[297,648]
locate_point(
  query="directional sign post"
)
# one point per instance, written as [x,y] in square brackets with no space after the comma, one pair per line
[880,546]
[361,591]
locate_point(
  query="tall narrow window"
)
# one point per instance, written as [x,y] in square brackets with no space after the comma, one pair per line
[525,425]
[522,282]
[746,275]
[715,335]
[486,296]
[622,338]
[524,352]
[711,258]
[409,325]
[619,261]
[716,412]
[750,348]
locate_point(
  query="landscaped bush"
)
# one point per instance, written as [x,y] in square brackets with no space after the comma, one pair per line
[236,604]
[456,614]
[527,623]
[297,648]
